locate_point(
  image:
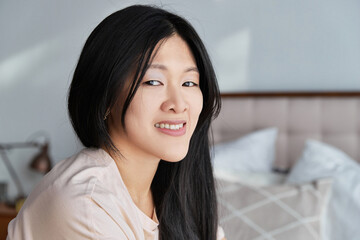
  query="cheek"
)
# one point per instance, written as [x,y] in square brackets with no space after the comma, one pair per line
[141,112]
[196,105]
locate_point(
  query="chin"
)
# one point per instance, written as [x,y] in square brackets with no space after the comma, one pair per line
[174,160]
[175,156]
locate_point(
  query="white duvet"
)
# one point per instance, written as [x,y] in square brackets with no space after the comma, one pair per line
[321,160]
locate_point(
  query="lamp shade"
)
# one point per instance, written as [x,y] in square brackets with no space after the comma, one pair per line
[42,162]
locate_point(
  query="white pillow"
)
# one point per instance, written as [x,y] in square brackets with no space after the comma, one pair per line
[321,160]
[277,212]
[254,152]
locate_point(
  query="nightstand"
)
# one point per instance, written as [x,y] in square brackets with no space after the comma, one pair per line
[6,215]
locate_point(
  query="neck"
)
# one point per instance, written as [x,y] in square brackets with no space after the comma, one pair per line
[137,172]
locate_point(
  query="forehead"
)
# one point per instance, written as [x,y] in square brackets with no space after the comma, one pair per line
[173,50]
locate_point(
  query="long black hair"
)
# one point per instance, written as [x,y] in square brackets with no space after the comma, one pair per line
[184,191]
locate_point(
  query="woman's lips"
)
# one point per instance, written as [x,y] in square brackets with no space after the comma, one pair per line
[172,128]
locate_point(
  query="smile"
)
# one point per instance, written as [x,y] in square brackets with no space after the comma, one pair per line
[172,128]
[169,126]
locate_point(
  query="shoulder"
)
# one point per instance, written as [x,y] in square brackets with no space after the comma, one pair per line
[62,203]
[71,179]
[77,174]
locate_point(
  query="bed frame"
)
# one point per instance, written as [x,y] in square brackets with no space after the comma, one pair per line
[331,117]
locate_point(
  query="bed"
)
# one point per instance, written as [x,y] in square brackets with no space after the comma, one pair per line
[287,165]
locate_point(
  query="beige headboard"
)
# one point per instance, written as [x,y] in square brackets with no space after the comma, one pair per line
[331,117]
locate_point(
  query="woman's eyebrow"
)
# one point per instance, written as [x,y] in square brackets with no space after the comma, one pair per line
[192,69]
[163,67]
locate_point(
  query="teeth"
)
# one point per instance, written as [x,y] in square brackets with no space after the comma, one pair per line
[169,126]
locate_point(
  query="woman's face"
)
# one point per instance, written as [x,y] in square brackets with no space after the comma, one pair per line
[164,112]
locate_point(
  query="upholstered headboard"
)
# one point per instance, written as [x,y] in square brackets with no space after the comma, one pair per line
[331,117]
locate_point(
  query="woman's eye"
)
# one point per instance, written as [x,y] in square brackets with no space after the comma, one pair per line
[190,84]
[153,83]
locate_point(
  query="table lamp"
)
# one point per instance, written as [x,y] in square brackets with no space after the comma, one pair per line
[40,163]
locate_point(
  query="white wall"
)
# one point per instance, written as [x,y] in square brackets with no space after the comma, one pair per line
[254,44]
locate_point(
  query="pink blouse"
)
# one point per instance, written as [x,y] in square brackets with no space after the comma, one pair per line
[84,197]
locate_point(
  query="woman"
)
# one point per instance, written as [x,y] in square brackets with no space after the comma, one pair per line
[141,101]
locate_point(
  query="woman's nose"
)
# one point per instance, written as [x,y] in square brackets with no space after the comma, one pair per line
[175,101]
